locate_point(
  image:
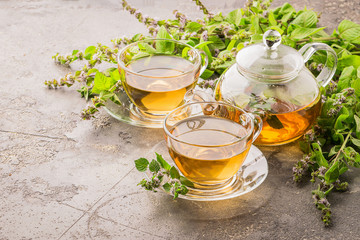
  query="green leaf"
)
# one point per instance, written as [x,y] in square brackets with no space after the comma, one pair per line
[174,173]
[105,95]
[102,83]
[89,51]
[319,157]
[307,19]
[357,121]
[286,8]
[356,142]
[345,78]
[332,174]
[272,19]
[206,74]
[208,53]
[256,24]
[167,187]
[216,42]
[162,162]
[287,16]
[351,60]
[234,17]
[334,150]
[339,123]
[146,48]
[303,32]
[356,86]
[164,46]
[202,44]
[349,31]
[93,70]
[342,168]
[186,181]
[274,122]
[141,164]
[154,166]
[193,26]
[163,33]
[231,45]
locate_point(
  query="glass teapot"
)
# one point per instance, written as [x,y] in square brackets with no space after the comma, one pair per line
[271,79]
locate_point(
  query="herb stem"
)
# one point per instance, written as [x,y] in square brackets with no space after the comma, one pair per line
[342,146]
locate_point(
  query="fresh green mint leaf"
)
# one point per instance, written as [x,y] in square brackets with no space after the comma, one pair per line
[162,162]
[255,24]
[286,8]
[89,51]
[307,19]
[356,86]
[234,17]
[102,83]
[141,164]
[174,173]
[320,159]
[345,78]
[154,166]
[167,187]
[217,43]
[164,46]
[272,19]
[334,150]
[201,45]
[339,123]
[193,26]
[356,142]
[332,174]
[206,74]
[357,121]
[351,60]
[146,48]
[287,16]
[105,95]
[231,45]
[349,31]
[304,32]
[186,181]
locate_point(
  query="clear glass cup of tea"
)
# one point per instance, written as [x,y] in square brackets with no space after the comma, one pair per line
[156,75]
[209,141]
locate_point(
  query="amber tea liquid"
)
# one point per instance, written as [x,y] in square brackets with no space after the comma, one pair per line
[214,153]
[289,123]
[162,82]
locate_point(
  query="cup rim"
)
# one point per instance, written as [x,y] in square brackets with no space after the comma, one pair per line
[168,133]
[123,66]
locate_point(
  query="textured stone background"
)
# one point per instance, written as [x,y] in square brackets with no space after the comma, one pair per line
[64,178]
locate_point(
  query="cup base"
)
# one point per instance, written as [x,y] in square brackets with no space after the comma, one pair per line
[252,173]
[127,112]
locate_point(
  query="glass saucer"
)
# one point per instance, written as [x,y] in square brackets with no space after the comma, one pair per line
[252,173]
[127,112]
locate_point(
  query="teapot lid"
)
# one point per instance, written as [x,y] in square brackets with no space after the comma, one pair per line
[270,60]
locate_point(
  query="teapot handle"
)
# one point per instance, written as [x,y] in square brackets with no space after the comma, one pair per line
[329,68]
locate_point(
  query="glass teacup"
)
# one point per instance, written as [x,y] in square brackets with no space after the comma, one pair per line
[157,74]
[209,141]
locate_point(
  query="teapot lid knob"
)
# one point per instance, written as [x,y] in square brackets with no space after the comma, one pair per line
[272,39]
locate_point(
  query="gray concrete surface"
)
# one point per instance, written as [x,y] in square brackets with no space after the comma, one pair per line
[65,178]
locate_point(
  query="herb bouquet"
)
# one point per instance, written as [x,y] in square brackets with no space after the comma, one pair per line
[330,148]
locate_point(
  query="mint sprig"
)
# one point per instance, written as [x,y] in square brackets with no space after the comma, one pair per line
[163,175]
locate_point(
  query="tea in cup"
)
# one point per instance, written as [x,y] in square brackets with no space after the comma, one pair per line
[209,141]
[157,73]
